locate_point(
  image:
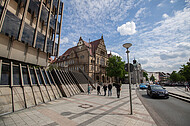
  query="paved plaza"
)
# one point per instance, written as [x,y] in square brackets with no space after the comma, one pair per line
[83,110]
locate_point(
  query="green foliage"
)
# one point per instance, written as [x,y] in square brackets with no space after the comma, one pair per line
[185,71]
[177,77]
[52,66]
[145,75]
[115,67]
[152,78]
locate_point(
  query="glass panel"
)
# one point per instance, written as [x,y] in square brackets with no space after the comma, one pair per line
[1,9]
[34,80]
[39,76]
[56,45]
[34,6]
[11,25]
[55,2]
[48,74]
[5,75]
[16,75]
[45,77]
[52,22]
[25,76]
[40,41]
[28,34]
[44,15]
[49,45]
[60,8]
[58,25]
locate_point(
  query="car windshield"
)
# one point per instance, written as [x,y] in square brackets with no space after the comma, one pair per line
[156,87]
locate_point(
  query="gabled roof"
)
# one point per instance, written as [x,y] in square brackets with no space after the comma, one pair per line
[92,46]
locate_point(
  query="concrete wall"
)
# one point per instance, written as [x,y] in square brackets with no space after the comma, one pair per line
[24,97]
[12,49]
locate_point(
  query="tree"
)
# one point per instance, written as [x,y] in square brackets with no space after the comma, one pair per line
[152,78]
[145,75]
[175,77]
[115,67]
[185,71]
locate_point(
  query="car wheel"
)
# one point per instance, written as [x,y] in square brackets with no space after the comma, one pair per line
[151,95]
[167,97]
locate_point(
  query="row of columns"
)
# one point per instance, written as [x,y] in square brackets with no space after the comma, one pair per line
[31,83]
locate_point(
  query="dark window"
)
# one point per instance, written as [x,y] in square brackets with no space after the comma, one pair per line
[25,76]
[5,75]
[48,74]
[32,73]
[16,76]
[45,78]
[39,76]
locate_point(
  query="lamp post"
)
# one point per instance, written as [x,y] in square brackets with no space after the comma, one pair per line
[127,45]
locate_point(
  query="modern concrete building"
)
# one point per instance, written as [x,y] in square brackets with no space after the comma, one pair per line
[91,57]
[29,34]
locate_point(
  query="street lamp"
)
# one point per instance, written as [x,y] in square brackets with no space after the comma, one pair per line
[127,45]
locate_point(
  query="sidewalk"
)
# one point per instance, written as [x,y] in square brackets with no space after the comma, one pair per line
[179,91]
[82,110]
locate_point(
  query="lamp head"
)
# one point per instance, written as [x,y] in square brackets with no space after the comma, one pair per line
[127,45]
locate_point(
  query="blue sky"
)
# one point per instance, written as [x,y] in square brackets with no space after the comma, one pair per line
[159,30]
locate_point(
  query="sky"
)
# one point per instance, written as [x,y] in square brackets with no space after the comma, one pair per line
[159,30]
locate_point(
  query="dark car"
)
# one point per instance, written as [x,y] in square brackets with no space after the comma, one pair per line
[157,91]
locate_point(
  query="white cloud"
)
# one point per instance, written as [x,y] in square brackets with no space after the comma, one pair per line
[165,16]
[128,28]
[160,5]
[143,60]
[165,46]
[172,1]
[140,12]
[74,43]
[64,40]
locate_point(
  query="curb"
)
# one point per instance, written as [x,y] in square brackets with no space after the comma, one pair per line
[180,97]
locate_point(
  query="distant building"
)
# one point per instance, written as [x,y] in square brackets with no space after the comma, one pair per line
[160,77]
[137,74]
[90,57]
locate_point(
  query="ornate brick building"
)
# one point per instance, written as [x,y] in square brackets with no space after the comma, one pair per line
[90,57]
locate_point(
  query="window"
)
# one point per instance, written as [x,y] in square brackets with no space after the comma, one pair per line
[82,57]
[102,61]
[97,60]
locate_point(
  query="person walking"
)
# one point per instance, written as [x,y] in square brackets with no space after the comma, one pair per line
[118,89]
[98,90]
[105,89]
[89,87]
[109,90]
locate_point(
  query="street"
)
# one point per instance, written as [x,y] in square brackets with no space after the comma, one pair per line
[172,111]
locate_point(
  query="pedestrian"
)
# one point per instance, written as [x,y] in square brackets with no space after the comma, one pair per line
[98,90]
[118,89]
[109,90]
[89,88]
[105,89]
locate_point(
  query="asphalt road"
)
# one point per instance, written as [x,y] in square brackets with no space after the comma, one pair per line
[171,112]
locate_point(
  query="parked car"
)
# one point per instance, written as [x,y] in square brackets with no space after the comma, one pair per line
[157,91]
[143,86]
